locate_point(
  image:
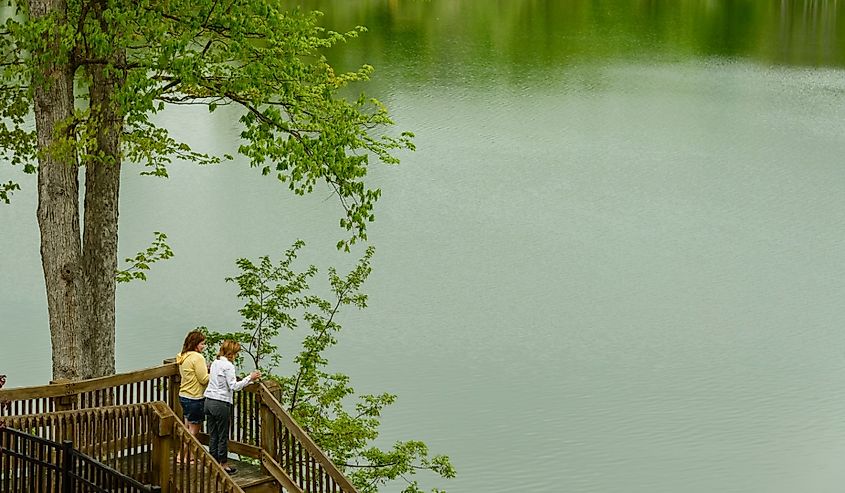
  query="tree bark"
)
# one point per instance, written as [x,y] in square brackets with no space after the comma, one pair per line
[102,188]
[58,197]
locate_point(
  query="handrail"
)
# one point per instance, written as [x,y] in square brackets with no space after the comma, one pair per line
[279,474]
[160,383]
[78,387]
[293,427]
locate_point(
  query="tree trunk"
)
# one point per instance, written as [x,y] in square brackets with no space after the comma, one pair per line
[58,198]
[102,186]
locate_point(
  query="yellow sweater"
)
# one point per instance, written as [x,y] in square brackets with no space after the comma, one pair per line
[194,373]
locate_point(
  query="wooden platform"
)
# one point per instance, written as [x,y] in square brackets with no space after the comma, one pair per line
[252,478]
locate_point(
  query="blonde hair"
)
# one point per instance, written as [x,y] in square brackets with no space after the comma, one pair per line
[229,349]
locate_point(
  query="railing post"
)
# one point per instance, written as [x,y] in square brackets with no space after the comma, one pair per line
[63,402]
[274,388]
[266,423]
[67,466]
[162,449]
[173,390]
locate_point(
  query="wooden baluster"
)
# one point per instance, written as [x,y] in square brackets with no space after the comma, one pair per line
[48,478]
[309,474]
[289,451]
[189,468]
[4,461]
[247,420]
[300,465]
[13,464]
[185,472]
[129,430]
[246,436]
[108,436]
[291,467]
[118,436]
[29,469]
[235,422]
[320,477]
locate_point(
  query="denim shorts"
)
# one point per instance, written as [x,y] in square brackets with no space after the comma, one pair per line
[193,409]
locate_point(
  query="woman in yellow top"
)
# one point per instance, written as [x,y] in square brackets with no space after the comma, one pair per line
[194,372]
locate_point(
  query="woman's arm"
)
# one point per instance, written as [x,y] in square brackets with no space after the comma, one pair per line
[201,370]
[234,384]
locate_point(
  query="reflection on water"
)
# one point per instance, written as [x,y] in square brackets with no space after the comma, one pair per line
[439,38]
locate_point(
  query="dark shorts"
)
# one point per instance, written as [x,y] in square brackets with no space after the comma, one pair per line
[193,409]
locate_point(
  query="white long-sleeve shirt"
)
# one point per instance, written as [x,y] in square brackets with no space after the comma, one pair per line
[222,382]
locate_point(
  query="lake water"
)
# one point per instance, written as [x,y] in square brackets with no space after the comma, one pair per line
[614,264]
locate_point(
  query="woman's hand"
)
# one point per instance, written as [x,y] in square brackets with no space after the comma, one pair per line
[254,376]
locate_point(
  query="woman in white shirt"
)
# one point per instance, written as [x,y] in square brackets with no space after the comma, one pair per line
[218,400]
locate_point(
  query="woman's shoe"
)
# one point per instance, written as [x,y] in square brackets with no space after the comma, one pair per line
[230,470]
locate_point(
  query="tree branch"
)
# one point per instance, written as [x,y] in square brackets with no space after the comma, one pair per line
[310,353]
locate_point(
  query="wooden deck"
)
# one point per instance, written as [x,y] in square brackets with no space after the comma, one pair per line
[250,477]
[132,422]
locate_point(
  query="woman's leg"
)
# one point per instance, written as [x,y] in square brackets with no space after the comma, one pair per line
[218,428]
[182,450]
[224,441]
[212,428]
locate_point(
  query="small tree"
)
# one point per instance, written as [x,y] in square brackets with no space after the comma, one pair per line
[342,423]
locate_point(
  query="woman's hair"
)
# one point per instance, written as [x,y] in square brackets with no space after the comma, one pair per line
[192,340]
[229,349]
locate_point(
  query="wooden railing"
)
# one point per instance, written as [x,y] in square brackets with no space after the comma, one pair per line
[260,428]
[34,464]
[152,384]
[119,437]
[142,441]
[30,463]
[291,456]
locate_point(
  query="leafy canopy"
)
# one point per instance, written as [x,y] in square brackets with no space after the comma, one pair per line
[250,53]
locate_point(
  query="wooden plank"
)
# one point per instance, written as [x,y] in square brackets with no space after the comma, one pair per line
[279,474]
[26,393]
[267,440]
[240,448]
[161,450]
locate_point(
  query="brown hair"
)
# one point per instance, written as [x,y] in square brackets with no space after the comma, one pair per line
[192,340]
[229,349]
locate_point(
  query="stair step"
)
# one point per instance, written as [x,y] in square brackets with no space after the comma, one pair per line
[252,478]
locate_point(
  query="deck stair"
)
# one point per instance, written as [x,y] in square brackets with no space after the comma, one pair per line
[132,422]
